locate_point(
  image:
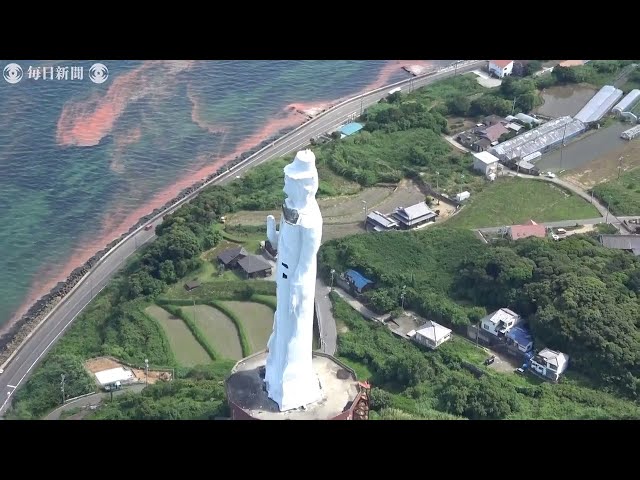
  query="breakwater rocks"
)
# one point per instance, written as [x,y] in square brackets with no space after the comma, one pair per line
[16,334]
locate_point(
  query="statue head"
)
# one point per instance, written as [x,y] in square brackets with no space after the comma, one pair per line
[301,180]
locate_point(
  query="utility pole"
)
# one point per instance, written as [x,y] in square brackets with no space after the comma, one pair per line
[437,179]
[562,146]
[146,371]
[62,386]
[194,310]
[402,295]
[619,166]
[333,272]
[461,182]
[606,220]
[366,212]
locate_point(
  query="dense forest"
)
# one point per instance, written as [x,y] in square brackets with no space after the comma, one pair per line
[578,296]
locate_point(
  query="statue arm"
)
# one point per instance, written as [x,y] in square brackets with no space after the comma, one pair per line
[272,232]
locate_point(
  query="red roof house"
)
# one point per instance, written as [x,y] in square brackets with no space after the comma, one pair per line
[530,229]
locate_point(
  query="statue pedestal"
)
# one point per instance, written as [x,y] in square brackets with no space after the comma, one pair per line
[248,398]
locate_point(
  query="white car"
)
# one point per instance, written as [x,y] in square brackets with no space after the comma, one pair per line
[1,370]
[550,175]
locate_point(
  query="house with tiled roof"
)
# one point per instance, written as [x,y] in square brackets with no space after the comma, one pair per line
[501,68]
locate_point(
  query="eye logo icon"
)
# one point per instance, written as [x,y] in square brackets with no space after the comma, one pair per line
[98,73]
[12,73]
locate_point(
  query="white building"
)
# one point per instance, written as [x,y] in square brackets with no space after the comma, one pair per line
[431,335]
[114,376]
[462,196]
[550,364]
[485,162]
[500,321]
[501,68]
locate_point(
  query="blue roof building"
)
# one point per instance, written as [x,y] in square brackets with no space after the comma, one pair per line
[357,280]
[521,338]
[351,128]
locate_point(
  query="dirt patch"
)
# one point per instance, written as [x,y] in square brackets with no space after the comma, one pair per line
[581,230]
[605,168]
[95,365]
[504,364]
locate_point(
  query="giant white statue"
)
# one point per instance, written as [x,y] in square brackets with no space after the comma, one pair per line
[289,376]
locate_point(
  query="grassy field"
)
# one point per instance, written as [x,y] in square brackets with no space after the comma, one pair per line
[257,320]
[623,195]
[513,201]
[186,349]
[218,330]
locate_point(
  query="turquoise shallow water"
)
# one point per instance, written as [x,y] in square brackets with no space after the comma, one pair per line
[77,157]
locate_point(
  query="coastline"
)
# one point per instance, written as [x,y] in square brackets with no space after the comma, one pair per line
[40,302]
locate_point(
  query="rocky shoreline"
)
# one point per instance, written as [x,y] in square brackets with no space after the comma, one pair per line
[17,332]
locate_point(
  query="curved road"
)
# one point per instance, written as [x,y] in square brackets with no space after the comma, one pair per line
[604,211]
[18,367]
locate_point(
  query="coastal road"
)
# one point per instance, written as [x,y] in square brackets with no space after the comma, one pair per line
[18,367]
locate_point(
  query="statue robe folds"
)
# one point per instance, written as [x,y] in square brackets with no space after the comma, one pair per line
[291,381]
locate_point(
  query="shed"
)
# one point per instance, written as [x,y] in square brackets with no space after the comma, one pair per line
[358,281]
[113,375]
[191,285]
[462,196]
[254,266]
[351,128]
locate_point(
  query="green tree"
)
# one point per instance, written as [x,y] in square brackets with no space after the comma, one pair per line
[168,272]
[459,105]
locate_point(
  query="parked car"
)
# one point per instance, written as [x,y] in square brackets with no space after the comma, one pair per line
[520,371]
[550,175]
[1,370]
[148,227]
[490,360]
